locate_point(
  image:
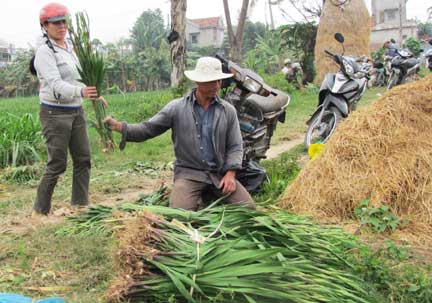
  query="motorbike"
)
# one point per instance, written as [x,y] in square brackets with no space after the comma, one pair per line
[380,75]
[428,57]
[403,66]
[338,95]
[259,109]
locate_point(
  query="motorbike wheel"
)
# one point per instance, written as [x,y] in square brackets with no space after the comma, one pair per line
[321,130]
[392,81]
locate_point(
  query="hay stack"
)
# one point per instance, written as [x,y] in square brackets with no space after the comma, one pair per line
[382,153]
[353,21]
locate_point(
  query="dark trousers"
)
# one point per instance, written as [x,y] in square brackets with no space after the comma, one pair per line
[187,194]
[64,129]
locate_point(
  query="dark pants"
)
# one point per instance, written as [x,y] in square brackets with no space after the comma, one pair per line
[64,130]
[187,194]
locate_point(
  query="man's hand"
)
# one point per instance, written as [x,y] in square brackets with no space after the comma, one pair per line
[103,101]
[113,124]
[228,183]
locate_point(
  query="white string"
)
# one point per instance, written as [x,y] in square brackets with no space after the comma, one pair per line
[196,237]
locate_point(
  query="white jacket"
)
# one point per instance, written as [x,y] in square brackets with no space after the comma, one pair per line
[58,75]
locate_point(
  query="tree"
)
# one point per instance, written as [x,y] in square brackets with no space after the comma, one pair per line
[310,10]
[177,39]
[16,78]
[124,47]
[156,66]
[269,47]
[424,30]
[150,52]
[300,39]
[236,39]
[251,32]
[413,45]
[148,30]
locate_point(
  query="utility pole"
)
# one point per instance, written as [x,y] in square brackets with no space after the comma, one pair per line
[400,22]
[271,14]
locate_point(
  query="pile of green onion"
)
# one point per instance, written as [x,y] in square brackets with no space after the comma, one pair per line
[231,254]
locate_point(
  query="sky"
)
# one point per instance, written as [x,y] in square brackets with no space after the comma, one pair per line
[111,20]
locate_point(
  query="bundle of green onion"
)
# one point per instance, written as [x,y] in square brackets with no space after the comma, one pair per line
[92,71]
[232,254]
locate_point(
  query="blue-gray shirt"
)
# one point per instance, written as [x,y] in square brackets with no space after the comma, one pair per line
[205,126]
[178,115]
[392,50]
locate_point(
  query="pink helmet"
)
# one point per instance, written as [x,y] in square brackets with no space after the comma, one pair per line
[53,12]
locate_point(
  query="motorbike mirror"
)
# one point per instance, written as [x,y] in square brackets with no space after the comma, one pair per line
[339,37]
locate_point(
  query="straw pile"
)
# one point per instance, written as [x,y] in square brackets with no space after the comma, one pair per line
[353,21]
[382,153]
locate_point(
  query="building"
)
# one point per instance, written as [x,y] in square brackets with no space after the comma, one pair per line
[387,16]
[7,53]
[205,32]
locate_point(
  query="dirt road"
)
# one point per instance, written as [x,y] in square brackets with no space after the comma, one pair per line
[276,150]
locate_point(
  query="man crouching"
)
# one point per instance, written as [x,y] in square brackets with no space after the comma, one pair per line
[207,140]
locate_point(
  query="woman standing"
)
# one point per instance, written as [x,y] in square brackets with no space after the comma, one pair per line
[61,114]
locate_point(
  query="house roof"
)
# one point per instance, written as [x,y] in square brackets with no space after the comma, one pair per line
[3,43]
[207,22]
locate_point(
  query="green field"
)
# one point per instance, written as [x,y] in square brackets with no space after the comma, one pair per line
[38,263]
[136,107]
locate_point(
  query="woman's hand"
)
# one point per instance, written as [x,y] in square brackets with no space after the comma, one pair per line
[113,124]
[89,92]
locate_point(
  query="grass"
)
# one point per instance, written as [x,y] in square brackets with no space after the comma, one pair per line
[281,170]
[20,140]
[80,266]
[133,107]
[136,107]
[393,273]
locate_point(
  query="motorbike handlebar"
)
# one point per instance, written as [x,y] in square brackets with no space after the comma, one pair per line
[328,53]
[221,58]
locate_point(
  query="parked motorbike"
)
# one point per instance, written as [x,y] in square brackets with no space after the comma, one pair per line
[403,66]
[428,57]
[338,95]
[380,75]
[259,109]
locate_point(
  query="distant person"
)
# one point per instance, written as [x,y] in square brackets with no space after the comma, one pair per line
[61,114]
[390,48]
[207,140]
[293,73]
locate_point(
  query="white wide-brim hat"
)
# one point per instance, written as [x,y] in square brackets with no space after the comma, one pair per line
[207,69]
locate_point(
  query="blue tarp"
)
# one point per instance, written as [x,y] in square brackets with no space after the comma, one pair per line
[14,298]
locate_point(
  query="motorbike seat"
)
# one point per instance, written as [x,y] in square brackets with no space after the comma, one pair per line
[410,62]
[270,103]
